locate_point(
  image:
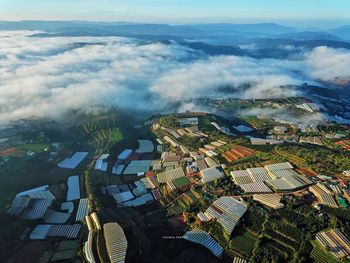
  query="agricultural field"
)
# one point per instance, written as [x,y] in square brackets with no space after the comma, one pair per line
[12,151]
[102,133]
[321,256]
[174,209]
[318,159]
[345,144]
[236,153]
[36,148]
[242,243]
[253,220]
[287,233]
[260,123]
[186,199]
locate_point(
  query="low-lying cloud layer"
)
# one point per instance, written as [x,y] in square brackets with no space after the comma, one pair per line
[50,77]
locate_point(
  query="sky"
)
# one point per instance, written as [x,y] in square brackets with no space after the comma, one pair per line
[296,12]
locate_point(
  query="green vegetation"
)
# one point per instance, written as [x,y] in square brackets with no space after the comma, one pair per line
[37,147]
[322,256]
[169,121]
[182,181]
[319,159]
[104,131]
[174,209]
[116,135]
[253,220]
[243,244]
[260,123]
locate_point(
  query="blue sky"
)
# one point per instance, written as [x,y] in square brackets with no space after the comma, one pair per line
[180,11]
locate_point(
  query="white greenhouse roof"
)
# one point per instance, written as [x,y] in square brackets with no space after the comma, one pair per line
[73,188]
[73,161]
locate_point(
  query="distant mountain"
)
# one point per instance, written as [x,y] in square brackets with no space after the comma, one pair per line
[285,48]
[308,35]
[263,40]
[262,28]
[341,32]
[221,33]
[215,49]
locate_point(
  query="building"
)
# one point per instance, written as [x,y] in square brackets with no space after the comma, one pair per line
[261,141]
[289,182]
[96,220]
[258,187]
[73,192]
[118,169]
[55,217]
[170,175]
[170,159]
[210,162]
[116,242]
[57,231]
[184,150]
[335,242]
[324,195]
[149,182]
[241,177]
[279,176]
[138,166]
[145,146]
[258,174]
[270,168]
[124,155]
[101,163]
[308,106]
[201,237]
[38,192]
[280,129]
[227,211]
[33,204]
[139,189]
[270,200]
[223,129]
[239,260]
[202,217]
[123,197]
[201,164]
[73,161]
[211,174]
[242,128]
[140,200]
[188,122]
[83,209]
[171,141]
[88,247]
[311,140]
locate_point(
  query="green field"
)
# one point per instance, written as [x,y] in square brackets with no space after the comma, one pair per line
[259,123]
[116,135]
[243,244]
[36,147]
[320,256]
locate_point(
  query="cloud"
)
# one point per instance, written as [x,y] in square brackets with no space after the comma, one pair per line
[202,78]
[328,64]
[52,77]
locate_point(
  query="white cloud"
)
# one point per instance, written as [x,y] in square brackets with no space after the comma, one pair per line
[328,64]
[50,77]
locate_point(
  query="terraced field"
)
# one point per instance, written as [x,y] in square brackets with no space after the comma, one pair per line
[321,256]
[103,133]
